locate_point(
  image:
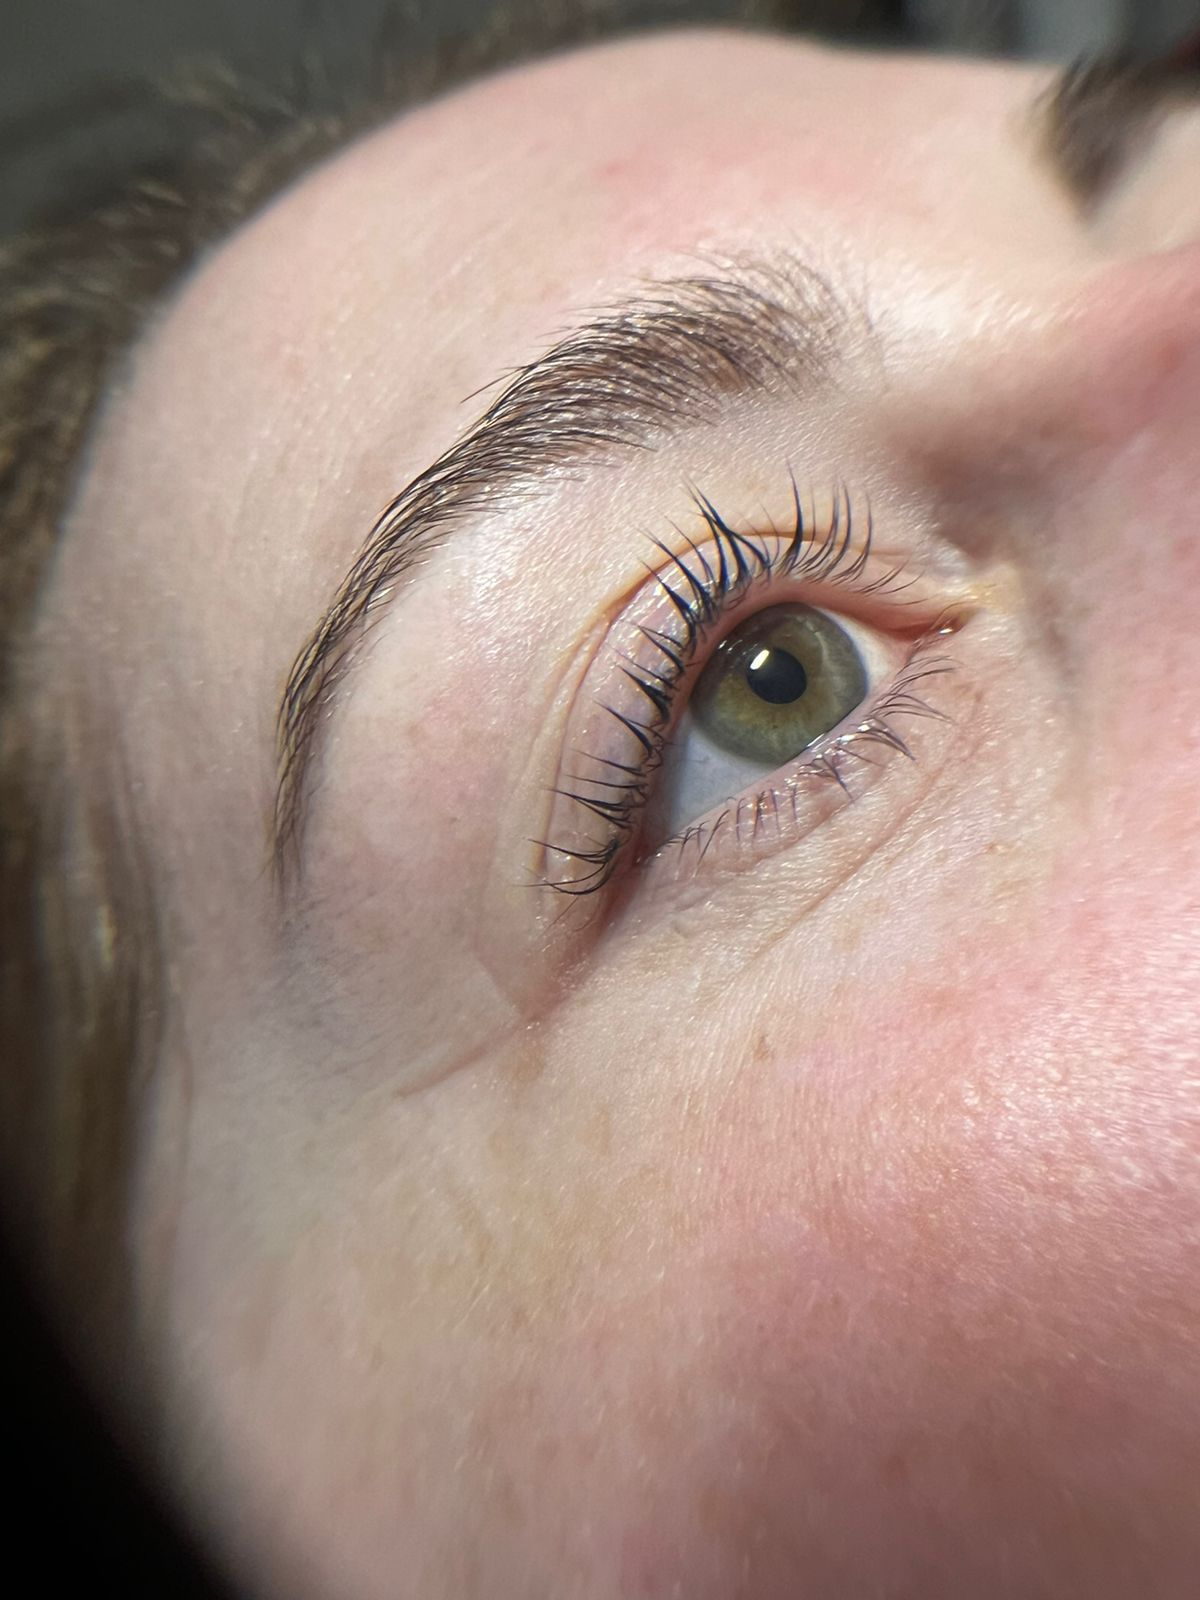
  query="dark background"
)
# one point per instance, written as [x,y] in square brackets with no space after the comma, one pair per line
[77,1520]
[66,66]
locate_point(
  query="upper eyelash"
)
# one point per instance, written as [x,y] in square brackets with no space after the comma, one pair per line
[700,588]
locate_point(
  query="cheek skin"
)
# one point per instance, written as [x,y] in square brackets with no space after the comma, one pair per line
[949,1287]
[835,1315]
[973,1306]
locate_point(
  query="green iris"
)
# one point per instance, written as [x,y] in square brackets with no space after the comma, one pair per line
[777,683]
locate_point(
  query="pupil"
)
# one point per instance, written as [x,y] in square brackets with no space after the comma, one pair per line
[776,677]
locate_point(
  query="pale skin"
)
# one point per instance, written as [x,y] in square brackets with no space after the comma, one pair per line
[818,1219]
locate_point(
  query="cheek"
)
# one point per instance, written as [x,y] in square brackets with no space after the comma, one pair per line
[918,1304]
[970,1304]
[873,1316]
[918,1301]
[911,1307]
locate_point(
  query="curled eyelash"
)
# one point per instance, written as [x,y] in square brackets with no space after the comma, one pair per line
[700,584]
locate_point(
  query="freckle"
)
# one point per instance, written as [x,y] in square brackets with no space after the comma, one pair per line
[828,1316]
[715,1511]
[506,1499]
[528,1060]
[762,1050]
[617,168]
[601,1131]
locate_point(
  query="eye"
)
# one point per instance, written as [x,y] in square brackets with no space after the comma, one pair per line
[727,681]
[771,690]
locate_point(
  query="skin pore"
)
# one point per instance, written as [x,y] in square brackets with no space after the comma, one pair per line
[811,1214]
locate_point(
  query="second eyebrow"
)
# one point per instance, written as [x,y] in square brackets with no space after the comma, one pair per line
[1101,114]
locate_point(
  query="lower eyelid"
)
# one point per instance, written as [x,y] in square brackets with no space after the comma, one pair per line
[842,798]
[682,790]
[581,844]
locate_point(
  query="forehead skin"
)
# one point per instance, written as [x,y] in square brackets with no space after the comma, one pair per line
[831,1249]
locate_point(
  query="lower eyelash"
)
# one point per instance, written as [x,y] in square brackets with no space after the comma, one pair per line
[701,587]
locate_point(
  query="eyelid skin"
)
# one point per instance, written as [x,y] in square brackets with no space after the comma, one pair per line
[635,689]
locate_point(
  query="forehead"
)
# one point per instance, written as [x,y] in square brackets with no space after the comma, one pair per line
[395,280]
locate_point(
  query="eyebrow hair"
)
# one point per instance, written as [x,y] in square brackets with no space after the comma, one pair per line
[1102,114]
[651,367]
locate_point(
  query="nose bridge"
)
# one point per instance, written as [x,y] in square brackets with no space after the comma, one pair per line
[1080,370]
[1127,394]
[1128,352]
[1075,419]
[1115,407]
[1068,442]
[1120,404]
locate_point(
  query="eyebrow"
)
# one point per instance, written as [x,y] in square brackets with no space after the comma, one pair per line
[649,368]
[1101,115]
